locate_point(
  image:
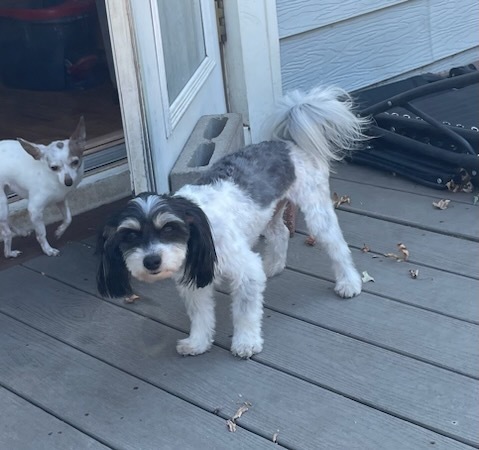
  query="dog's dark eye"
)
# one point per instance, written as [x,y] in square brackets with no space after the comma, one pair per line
[55,168]
[75,162]
[167,229]
[131,235]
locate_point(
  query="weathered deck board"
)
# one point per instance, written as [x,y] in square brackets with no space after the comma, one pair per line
[146,349]
[434,289]
[105,401]
[426,248]
[411,209]
[383,179]
[23,424]
[388,390]
[395,368]
[395,326]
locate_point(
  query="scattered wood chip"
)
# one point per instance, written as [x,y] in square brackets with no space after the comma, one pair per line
[404,251]
[403,256]
[132,298]
[365,249]
[441,204]
[310,240]
[391,255]
[275,438]
[366,277]
[231,423]
[475,199]
[338,201]
[241,410]
[231,426]
[414,273]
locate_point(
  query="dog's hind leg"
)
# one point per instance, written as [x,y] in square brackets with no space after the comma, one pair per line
[5,230]
[67,218]
[36,216]
[247,305]
[200,308]
[312,195]
[276,234]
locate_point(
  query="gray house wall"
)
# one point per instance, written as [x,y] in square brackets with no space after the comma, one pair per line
[356,43]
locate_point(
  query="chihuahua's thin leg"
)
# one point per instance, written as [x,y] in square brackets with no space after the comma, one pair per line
[67,218]
[36,216]
[5,230]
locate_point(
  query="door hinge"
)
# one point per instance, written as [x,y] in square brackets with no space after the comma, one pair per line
[220,20]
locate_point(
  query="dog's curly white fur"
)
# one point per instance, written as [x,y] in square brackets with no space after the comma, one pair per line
[43,174]
[206,231]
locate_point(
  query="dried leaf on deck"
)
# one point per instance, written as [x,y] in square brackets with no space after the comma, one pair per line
[365,249]
[275,438]
[132,298]
[475,199]
[338,201]
[441,204]
[391,255]
[414,273]
[231,426]
[366,277]
[310,240]
[404,251]
[241,410]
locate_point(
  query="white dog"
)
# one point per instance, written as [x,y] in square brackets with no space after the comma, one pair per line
[43,174]
[205,232]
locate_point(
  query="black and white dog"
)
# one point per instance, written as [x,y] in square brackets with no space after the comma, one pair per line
[205,232]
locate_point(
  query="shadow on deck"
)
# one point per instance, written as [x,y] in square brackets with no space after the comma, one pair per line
[395,368]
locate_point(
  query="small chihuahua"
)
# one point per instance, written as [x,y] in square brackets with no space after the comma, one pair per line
[43,174]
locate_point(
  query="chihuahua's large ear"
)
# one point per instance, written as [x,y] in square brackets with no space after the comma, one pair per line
[32,149]
[113,278]
[77,142]
[201,254]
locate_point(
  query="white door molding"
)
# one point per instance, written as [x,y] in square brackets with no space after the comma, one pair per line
[252,60]
[124,49]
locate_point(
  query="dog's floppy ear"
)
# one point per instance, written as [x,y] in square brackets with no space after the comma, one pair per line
[32,149]
[77,142]
[113,278]
[201,254]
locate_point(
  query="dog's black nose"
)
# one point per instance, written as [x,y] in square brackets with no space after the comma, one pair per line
[152,262]
[68,180]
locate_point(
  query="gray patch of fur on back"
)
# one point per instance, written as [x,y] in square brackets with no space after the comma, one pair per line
[265,171]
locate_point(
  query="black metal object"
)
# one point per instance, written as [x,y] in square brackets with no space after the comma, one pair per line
[414,133]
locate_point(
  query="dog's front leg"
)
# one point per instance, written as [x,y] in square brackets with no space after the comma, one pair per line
[201,311]
[64,208]
[247,306]
[36,216]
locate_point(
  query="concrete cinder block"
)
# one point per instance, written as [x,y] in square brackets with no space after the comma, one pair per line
[212,138]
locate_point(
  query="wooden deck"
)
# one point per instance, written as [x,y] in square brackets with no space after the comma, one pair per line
[395,368]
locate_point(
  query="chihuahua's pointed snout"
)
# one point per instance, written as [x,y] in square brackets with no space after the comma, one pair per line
[68,180]
[152,262]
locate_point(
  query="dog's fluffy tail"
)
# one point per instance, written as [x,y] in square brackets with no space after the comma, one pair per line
[320,122]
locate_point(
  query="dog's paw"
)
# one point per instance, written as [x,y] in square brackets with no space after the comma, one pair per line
[273,268]
[246,347]
[349,287]
[12,253]
[51,251]
[192,347]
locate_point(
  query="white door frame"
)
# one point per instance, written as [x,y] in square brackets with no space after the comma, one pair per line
[252,63]
[133,111]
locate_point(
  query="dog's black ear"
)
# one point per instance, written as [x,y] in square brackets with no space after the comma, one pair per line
[201,254]
[113,278]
